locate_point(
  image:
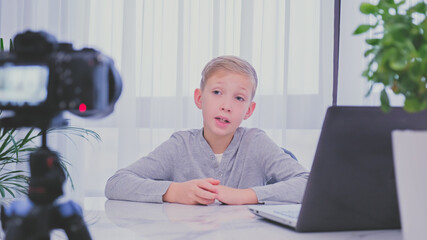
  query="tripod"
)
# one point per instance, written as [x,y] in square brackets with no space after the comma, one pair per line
[34,217]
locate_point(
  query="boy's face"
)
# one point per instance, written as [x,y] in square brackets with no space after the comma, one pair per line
[225,102]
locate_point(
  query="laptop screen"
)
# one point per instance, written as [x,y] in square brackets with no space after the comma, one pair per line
[352,184]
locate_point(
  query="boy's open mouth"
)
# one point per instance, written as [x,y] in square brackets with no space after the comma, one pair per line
[222,120]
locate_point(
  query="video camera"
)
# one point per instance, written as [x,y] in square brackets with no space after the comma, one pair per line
[42,78]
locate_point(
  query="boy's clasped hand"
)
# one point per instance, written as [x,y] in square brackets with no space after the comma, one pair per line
[205,192]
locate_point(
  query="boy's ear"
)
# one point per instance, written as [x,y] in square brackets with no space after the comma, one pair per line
[198,98]
[251,109]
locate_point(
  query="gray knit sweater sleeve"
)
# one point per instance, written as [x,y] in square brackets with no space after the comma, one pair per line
[285,179]
[147,179]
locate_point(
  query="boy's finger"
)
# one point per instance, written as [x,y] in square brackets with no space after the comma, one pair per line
[208,186]
[203,201]
[205,194]
[213,181]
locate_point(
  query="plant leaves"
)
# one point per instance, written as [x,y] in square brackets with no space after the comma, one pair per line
[15,150]
[373,41]
[414,105]
[420,7]
[387,3]
[363,28]
[398,63]
[385,102]
[399,32]
[367,8]
[2,191]
[11,47]
[10,192]
[370,51]
[370,90]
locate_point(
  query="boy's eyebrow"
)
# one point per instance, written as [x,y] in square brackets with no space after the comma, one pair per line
[218,83]
[244,89]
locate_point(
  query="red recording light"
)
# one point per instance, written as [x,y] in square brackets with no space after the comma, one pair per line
[82,107]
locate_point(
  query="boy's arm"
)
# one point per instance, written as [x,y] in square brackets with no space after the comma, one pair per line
[128,186]
[234,196]
[147,179]
[285,179]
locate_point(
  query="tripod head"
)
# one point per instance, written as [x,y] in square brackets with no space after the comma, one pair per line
[47,175]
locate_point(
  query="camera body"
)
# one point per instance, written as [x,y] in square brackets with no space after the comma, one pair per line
[39,80]
[42,78]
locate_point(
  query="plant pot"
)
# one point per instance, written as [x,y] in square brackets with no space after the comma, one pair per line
[410,163]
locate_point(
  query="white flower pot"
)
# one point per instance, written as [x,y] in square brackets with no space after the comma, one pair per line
[410,163]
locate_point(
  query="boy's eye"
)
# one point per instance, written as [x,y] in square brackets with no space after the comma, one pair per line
[216,92]
[240,99]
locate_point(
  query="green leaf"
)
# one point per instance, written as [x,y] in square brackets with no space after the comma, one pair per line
[11,47]
[10,192]
[423,26]
[399,31]
[414,105]
[400,3]
[365,73]
[415,69]
[420,7]
[398,64]
[2,191]
[388,3]
[370,51]
[384,7]
[363,28]
[367,8]
[1,45]
[385,102]
[6,141]
[373,41]
[370,90]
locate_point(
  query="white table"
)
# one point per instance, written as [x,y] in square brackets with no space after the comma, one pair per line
[131,220]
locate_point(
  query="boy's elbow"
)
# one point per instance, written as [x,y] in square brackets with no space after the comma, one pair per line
[108,192]
[110,188]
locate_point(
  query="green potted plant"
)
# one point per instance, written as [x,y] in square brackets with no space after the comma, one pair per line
[398,51]
[398,61]
[15,146]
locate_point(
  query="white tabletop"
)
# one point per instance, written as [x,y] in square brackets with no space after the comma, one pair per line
[131,220]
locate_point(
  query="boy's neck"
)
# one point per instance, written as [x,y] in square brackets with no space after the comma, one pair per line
[218,145]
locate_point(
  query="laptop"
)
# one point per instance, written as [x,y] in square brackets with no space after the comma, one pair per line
[351,185]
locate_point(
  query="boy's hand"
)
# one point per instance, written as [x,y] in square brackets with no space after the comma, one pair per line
[234,196]
[198,191]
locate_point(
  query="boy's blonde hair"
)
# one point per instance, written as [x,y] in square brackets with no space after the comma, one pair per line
[232,64]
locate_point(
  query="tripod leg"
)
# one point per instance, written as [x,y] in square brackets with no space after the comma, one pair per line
[12,219]
[24,220]
[72,221]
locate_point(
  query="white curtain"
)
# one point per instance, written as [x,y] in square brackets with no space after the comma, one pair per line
[160,48]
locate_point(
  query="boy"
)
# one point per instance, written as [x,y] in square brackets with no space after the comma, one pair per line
[222,161]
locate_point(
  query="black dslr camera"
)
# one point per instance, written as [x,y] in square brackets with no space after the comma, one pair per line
[40,80]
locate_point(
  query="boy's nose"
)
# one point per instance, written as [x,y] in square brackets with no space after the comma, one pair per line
[226,109]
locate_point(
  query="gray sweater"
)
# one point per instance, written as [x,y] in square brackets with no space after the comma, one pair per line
[252,160]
